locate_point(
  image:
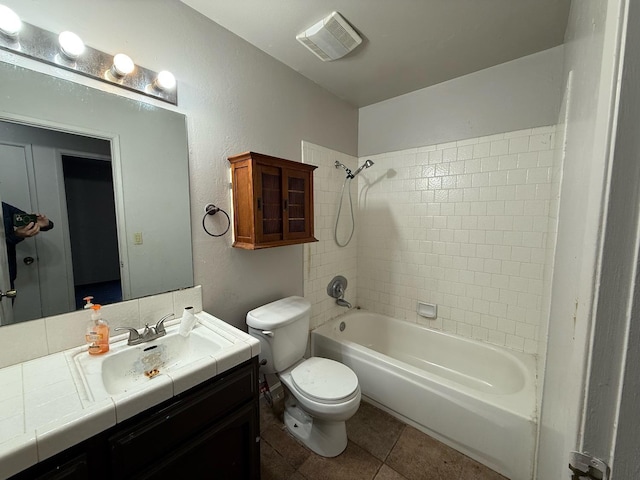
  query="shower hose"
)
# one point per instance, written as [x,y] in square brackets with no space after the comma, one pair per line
[353,221]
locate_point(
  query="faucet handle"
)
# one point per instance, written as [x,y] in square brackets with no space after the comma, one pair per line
[133,333]
[160,325]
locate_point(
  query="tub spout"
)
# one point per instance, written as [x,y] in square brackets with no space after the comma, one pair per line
[343,303]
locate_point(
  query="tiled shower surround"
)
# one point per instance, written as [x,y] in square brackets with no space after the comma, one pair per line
[324,259]
[462,225]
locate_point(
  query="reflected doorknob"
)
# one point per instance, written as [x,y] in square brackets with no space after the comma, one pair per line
[28,260]
[8,294]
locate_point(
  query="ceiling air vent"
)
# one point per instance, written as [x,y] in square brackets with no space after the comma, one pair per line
[331,38]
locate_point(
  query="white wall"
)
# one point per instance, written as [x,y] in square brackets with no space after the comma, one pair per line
[625,192]
[559,151]
[590,60]
[520,94]
[236,98]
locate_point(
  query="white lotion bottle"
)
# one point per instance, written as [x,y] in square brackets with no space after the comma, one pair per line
[187,322]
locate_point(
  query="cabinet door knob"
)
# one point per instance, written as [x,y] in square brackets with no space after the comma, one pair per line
[259,203]
[285,204]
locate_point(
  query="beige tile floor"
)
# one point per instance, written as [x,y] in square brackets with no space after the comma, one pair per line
[380,448]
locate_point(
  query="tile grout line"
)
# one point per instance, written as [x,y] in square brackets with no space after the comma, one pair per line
[384,462]
[404,427]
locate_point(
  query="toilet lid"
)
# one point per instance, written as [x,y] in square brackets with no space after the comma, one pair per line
[324,380]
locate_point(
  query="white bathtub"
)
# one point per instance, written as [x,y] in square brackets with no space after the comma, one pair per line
[475,397]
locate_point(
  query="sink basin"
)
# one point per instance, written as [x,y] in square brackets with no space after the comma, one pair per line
[128,368]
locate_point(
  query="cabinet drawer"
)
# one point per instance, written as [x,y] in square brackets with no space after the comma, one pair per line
[142,444]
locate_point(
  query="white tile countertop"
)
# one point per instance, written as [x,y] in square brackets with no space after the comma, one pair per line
[46,407]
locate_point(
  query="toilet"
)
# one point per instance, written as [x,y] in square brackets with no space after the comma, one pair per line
[324,393]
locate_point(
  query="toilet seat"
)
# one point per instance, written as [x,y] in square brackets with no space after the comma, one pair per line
[325,381]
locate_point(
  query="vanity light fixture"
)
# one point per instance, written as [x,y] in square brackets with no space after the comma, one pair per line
[122,65]
[71,45]
[10,23]
[165,81]
[69,52]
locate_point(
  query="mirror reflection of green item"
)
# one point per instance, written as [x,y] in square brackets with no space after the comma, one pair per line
[24,219]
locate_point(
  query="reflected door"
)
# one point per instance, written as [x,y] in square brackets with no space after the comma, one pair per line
[6,307]
[16,168]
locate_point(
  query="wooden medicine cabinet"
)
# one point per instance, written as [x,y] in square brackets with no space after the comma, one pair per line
[272,201]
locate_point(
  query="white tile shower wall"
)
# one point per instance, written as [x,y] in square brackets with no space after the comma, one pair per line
[324,259]
[462,225]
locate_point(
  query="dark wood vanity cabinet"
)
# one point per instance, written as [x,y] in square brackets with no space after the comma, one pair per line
[272,201]
[74,468]
[210,431]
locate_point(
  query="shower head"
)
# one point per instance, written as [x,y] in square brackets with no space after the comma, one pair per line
[337,164]
[366,164]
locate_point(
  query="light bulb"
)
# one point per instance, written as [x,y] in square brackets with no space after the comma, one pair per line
[122,65]
[10,23]
[71,44]
[165,80]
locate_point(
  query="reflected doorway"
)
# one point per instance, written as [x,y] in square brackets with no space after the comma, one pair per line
[93,232]
[41,172]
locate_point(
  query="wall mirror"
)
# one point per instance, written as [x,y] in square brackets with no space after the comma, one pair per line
[112,174]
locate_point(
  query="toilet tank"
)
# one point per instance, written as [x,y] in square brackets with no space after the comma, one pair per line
[282,328]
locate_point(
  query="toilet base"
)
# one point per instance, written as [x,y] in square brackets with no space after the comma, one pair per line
[326,438]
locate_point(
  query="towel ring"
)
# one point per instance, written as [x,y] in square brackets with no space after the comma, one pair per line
[211,209]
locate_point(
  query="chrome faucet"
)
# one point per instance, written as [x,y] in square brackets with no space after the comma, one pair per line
[340,300]
[336,289]
[148,334]
[343,303]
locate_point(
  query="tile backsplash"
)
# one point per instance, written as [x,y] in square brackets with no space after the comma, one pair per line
[28,340]
[463,225]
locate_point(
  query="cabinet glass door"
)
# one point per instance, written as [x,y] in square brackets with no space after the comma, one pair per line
[270,204]
[297,205]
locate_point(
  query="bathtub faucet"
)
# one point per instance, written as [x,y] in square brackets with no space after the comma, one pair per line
[340,300]
[343,303]
[336,289]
